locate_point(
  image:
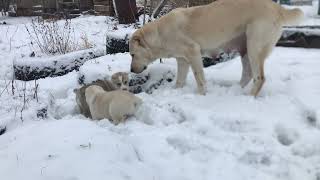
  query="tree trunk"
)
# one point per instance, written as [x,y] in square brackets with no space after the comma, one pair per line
[127,11]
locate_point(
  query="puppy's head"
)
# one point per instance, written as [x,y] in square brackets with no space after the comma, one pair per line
[120,80]
[140,52]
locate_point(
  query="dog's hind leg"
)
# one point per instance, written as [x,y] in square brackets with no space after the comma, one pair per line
[257,65]
[261,39]
[246,71]
[183,69]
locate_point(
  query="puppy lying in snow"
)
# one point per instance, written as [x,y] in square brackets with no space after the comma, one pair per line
[119,80]
[115,105]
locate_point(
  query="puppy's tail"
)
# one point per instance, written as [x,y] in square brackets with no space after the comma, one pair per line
[291,17]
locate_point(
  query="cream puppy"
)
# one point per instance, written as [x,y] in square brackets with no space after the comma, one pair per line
[118,81]
[116,105]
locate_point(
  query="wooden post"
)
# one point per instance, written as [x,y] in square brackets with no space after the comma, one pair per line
[126,10]
[319,7]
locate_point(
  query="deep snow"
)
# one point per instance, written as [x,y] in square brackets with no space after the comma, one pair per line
[177,134]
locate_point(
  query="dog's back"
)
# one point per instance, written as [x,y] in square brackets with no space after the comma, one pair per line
[98,102]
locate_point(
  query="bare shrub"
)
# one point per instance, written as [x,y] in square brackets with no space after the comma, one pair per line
[53,38]
[85,43]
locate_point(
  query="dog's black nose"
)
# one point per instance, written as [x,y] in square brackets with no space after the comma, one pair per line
[131,70]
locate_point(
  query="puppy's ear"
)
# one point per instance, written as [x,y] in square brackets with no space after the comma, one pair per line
[138,40]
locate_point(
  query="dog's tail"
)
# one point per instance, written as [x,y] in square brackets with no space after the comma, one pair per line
[291,17]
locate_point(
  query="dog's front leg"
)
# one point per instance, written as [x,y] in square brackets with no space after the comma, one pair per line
[197,68]
[194,57]
[246,71]
[183,69]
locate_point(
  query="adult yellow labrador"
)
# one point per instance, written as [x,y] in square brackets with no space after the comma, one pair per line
[251,27]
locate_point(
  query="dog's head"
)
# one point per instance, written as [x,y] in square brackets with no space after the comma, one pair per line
[140,52]
[120,80]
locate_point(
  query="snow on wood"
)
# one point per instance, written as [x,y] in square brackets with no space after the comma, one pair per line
[34,68]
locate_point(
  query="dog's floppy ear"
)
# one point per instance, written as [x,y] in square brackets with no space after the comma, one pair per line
[138,40]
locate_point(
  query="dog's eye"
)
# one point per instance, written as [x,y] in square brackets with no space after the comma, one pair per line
[126,82]
[119,84]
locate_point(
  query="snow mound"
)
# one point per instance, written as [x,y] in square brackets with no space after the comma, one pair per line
[176,134]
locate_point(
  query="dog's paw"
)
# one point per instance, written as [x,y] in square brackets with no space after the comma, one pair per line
[202,90]
[179,85]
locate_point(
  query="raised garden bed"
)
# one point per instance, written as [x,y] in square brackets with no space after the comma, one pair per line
[300,36]
[32,68]
[117,41]
[145,82]
[117,45]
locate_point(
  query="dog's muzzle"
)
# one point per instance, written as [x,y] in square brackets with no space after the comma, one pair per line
[144,68]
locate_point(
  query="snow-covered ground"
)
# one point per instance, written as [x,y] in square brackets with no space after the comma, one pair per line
[177,134]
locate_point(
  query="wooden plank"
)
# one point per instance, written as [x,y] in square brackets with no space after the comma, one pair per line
[24,4]
[101,8]
[86,5]
[102,2]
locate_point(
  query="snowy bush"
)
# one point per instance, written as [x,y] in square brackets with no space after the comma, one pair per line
[54,38]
